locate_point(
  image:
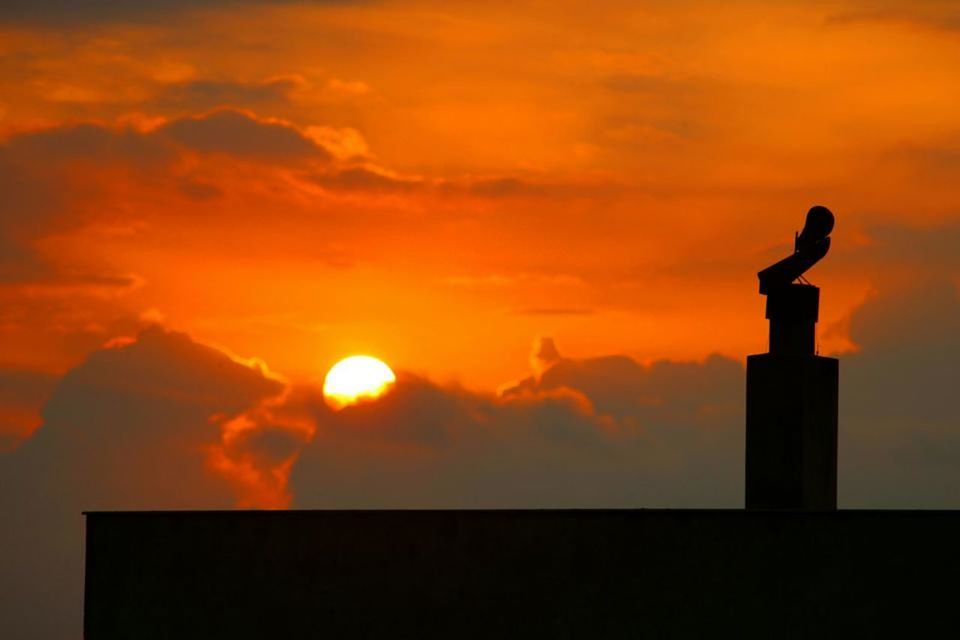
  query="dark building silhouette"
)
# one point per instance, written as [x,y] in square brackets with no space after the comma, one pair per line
[790,566]
[520,574]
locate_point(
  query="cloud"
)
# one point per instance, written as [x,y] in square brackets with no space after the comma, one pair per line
[37,203]
[504,187]
[114,423]
[933,248]
[62,179]
[225,130]
[373,179]
[204,94]
[198,190]
[941,15]
[22,394]
[240,134]
[87,142]
[66,12]
[44,191]
[587,433]
[899,426]
[530,186]
[58,179]
[611,431]
[925,317]
[345,143]
[368,179]
[543,356]
[161,421]
[137,426]
[900,256]
[658,395]
[66,186]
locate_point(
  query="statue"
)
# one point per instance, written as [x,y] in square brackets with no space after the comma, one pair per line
[809,247]
[792,391]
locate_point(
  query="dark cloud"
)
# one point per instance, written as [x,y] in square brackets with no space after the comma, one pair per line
[49,177]
[914,253]
[372,179]
[611,431]
[22,395]
[132,427]
[661,394]
[87,142]
[649,110]
[524,187]
[942,15]
[899,424]
[505,187]
[941,156]
[198,190]
[30,205]
[35,204]
[71,12]
[115,424]
[932,247]
[201,95]
[591,433]
[239,134]
[221,131]
[366,179]
[922,318]
[33,387]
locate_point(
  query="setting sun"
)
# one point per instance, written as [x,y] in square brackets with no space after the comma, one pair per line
[355,378]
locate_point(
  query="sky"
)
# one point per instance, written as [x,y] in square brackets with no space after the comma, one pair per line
[546,217]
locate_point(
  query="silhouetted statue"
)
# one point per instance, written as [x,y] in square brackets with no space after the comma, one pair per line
[792,393]
[809,247]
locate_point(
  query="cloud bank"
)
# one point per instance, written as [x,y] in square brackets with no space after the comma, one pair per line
[161,421]
[67,12]
[133,427]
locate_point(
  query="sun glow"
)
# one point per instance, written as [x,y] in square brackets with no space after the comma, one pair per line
[355,378]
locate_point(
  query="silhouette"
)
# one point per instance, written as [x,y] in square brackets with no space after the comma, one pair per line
[809,247]
[520,574]
[792,393]
[789,566]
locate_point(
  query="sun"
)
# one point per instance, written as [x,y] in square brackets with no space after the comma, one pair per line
[356,378]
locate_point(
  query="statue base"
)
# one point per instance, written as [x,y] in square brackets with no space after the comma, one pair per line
[791,455]
[791,441]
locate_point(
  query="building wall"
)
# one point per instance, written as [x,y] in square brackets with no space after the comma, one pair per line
[518,574]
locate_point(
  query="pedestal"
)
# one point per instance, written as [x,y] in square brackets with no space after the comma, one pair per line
[791,443]
[791,457]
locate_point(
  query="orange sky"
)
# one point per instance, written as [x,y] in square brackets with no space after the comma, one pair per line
[438,184]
